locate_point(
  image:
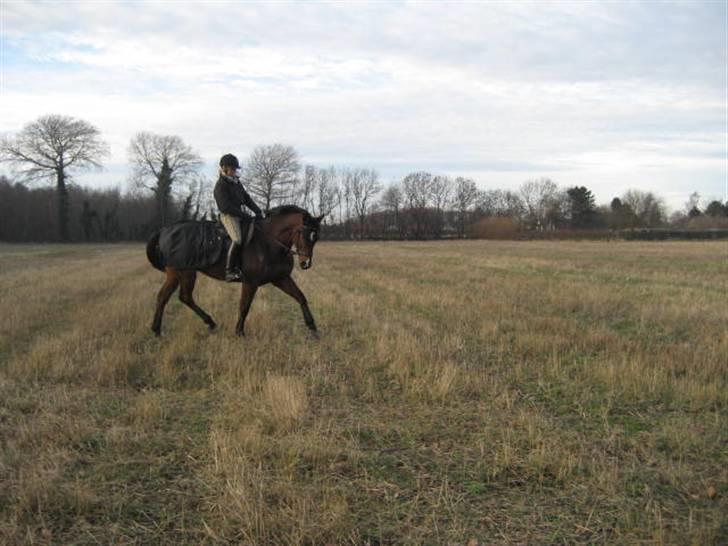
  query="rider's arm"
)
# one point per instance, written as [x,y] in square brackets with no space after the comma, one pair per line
[250,203]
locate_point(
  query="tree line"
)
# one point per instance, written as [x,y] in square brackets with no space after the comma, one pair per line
[168,186]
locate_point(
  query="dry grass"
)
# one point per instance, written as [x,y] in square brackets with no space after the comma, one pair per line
[511,393]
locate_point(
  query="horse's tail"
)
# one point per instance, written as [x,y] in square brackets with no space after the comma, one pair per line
[154,255]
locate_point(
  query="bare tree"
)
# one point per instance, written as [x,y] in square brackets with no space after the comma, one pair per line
[502,203]
[160,162]
[345,183]
[440,192]
[416,187]
[486,203]
[199,201]
[646,206]
[54,146]
[466,192]
[272,173]
[391,202]
[539,196]
[364,187]
[329,196]
[511,205]
[308,187]
[557,210]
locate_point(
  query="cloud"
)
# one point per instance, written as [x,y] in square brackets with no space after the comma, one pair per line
[576,91]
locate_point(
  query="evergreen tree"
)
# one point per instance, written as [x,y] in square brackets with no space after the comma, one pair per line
[581,206]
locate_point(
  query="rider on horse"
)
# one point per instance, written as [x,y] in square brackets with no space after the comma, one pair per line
[230,196]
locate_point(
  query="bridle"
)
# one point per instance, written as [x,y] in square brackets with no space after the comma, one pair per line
[289,250]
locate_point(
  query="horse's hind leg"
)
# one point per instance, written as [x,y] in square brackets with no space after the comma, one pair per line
[170,285]
[187,286]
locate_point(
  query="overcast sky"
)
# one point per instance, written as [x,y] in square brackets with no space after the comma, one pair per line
[611,95]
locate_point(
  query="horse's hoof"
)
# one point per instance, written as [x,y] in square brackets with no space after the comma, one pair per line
[315,335]
[157,333]
[212,327]
[240,333]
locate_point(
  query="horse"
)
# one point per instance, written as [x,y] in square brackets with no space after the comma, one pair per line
[286,231]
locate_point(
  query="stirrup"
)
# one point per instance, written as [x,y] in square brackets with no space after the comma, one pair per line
[233,275]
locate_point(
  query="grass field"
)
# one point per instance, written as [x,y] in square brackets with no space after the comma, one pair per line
[498,392]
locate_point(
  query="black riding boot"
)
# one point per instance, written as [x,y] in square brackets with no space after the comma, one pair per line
[232,266]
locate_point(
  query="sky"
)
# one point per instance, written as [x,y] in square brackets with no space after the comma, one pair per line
[610,95]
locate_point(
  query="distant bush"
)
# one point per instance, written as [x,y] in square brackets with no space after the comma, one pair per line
[707,222]
[494,228]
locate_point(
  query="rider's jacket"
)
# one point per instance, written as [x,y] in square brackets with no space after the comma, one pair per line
[230,196]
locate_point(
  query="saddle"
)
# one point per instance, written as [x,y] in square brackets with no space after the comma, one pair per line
[193,244]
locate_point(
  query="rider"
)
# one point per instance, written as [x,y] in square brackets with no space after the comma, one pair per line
[230,196]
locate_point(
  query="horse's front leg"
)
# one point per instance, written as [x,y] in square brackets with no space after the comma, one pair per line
[247,294]
[291,288]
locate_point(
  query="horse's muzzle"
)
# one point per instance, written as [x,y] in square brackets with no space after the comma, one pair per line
[305,264]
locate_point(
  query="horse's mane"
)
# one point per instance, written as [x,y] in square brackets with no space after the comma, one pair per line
[287,209]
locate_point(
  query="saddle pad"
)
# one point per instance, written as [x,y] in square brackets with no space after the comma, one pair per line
[192,245]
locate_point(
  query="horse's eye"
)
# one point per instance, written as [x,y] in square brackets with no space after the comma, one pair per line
[312,236]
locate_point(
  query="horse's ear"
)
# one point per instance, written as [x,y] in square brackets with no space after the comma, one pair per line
[319,218]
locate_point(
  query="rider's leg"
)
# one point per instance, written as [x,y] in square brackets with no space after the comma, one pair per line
[232,265]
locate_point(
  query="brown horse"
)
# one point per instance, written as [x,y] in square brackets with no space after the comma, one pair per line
[268,258]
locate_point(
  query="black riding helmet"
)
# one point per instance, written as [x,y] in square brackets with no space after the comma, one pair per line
[229,160]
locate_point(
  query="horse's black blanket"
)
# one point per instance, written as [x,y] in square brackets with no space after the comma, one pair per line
[192,245]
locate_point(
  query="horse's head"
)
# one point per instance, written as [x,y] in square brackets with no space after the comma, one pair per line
[295,227]
[305,236]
